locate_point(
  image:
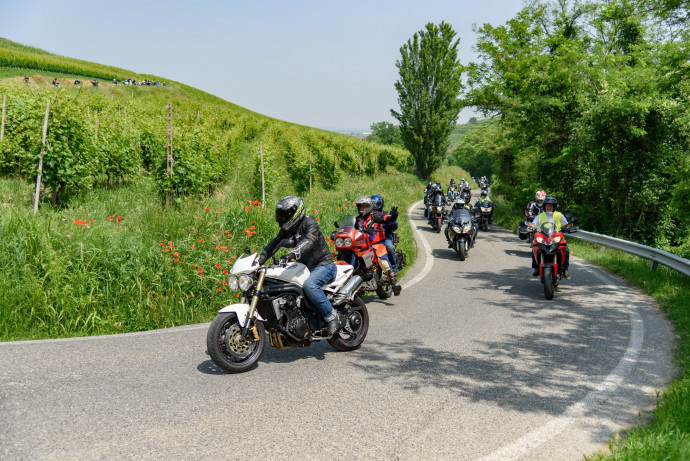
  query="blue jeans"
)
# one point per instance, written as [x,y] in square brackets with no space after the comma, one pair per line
[391,252]
[320,275]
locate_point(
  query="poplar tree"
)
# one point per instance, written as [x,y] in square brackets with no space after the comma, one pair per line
[428,94]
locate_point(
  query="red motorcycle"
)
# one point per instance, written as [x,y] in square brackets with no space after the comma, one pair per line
[354,247]
[549,248]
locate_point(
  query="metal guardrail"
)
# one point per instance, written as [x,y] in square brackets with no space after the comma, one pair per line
[653,254]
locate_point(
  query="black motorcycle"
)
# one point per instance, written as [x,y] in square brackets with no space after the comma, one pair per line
[461,231]
[485,211]
[437,213]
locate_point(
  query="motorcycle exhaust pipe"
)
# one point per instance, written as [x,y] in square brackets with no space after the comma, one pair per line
[349,290]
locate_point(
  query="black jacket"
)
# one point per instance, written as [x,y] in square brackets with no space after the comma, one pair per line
[309,247]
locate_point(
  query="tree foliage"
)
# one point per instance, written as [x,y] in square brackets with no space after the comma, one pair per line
[592,101]
[429,85]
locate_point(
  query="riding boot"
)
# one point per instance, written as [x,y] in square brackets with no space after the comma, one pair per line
[332,325]
[394,283]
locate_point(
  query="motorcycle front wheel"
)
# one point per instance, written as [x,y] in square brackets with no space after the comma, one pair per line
[228,349]
[462,247]
[548,282]
[351,336]
[438,226]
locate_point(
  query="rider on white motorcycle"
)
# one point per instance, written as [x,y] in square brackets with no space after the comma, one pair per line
[309,248]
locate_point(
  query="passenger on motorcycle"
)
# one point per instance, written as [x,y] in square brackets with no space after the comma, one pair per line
[372,224]
[389,222]
[309,248]
[551,215]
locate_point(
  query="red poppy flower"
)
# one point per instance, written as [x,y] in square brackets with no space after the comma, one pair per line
[176,254]
[217,266]
[220,288]
[120,218]
[194,264]
[225,271]
[201,241]
[206,209]
[225,283]
[110,218]
[160,244]
[193,246]
[201,269]
[176,259]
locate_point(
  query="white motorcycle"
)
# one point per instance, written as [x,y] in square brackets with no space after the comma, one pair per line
[274,308]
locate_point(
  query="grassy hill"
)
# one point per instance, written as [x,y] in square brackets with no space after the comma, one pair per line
[103,254]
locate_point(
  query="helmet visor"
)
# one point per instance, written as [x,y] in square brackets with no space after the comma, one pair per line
[283,216]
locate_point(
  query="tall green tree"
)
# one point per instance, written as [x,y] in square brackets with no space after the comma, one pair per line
[429,90]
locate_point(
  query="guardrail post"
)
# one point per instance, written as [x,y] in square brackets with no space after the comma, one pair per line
[654,265]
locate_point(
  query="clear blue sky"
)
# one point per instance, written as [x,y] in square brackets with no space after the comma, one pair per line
[314,62]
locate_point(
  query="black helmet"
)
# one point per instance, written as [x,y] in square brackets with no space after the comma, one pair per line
[551,200]
[289,212]
[364,205]
[483,194]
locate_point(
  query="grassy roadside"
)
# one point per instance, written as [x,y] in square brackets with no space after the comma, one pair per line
[667,435]
[115,261]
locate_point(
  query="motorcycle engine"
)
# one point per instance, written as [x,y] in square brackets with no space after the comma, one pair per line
[297,325]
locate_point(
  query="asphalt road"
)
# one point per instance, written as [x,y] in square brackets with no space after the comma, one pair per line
[469,362]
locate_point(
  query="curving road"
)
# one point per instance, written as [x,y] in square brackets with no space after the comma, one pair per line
[469,362]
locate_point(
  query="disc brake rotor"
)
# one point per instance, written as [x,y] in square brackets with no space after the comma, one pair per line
[236,344]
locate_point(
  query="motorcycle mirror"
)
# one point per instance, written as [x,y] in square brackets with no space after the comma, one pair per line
[247,250]
[333,235]
[567,213]
[337,226]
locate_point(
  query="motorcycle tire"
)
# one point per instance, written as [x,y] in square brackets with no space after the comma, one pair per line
[462,248]
[548,282]
[437,226]
[384,291]
[358,321]
[228,350]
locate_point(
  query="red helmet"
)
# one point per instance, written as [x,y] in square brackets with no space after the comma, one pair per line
[541,195]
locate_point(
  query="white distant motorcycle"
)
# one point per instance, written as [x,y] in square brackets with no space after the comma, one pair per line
[274,308]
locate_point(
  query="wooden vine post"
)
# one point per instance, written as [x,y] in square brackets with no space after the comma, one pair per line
[96,127]
[2,125]
[170,161]
[40,159]
[263,182]
[310,172]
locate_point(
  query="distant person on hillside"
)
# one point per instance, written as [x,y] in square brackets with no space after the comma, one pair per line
[56,83]
[26,79]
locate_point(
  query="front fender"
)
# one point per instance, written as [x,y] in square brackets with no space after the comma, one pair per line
[241,310]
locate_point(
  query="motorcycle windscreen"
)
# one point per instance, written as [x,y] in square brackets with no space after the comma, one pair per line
[348,221]
[548,229]
[461,216]
[244,265]
[438,200]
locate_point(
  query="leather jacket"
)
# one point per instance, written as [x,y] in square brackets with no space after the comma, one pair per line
[309,247]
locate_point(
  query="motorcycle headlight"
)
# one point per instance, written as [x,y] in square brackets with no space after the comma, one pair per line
[245,282]
[347,242]
[438,209]
[539,240]
[456,229]
[233,283]
[467,229]
[557,239]
[338,242]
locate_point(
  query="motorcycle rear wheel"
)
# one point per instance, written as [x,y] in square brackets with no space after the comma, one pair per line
[358,322]
[437,226]
[548,282]
[228,350]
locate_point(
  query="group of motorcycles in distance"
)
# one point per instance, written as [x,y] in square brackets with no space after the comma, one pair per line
[454,210]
